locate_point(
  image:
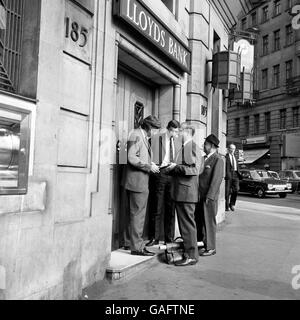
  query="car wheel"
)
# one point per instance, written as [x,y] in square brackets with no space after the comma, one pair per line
[283,195]
[260,193]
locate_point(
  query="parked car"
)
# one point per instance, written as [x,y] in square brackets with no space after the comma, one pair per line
[262,183]
[274,174]
[292,176]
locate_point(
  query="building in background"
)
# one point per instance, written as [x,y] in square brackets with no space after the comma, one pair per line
[269,129]
[76,77]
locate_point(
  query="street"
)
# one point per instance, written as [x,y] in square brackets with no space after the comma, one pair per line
[258,249]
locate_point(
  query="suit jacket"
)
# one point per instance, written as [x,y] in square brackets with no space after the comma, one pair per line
[211,178]
[230,169]
[185,182]
[136,177]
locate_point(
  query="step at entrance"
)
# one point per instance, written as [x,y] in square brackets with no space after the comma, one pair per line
[123,265]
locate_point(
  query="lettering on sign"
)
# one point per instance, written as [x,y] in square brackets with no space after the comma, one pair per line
[296,19]
[78,32]
[137,15]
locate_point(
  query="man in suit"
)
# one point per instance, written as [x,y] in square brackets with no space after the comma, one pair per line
[232,178]
[163,214]
[209,188]
[185,184]
[136,183]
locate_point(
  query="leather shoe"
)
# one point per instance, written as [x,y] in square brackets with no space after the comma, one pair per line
[152,243]
[209,253]
[143,253]
[126,248]
[186,262]
[227,209]
[232,208]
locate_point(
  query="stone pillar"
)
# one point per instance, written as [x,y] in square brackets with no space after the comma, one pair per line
[176,102]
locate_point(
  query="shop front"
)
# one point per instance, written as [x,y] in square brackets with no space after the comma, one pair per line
[151,64]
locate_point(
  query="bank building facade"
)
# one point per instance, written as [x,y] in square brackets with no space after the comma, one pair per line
[76,77]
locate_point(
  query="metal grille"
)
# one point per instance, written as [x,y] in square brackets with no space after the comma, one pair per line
[10,44]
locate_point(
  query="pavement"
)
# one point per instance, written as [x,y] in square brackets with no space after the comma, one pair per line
[258,257]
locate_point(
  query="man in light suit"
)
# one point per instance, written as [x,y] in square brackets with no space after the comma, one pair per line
[163,213]
[209,188]
[232,178]
[137,182]
[185,186]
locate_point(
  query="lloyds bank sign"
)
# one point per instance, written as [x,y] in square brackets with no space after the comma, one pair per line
[144,21]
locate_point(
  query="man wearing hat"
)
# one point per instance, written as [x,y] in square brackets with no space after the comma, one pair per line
[209,188]
[136,183]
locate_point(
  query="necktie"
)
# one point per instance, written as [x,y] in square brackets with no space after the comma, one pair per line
[171,150]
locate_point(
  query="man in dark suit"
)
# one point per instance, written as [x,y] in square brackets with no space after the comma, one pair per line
[209,188]
[163,214]
[232,178]
[185,184]
[136,183]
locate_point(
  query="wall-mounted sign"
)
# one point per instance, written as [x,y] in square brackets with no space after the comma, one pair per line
[143,20]
[78,32]
[255,140]
[246,50]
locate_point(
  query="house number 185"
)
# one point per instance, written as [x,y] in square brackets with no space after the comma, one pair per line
[77,33]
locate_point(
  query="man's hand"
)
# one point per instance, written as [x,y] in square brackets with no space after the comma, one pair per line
[154,168]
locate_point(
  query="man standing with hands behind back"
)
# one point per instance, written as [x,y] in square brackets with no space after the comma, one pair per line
[209,188]
[232,178]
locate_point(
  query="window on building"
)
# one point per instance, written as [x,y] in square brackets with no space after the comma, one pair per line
[217,43]
[254,19]
[289,35]
[172,6]
[289,69]
[10,45]
[277,8]
[265,79]
[244,24]
[296,117]
[289,4]
[256,124]
[276,76]
[277,40]
[247,125]
[265,14]
[265,45]
[282,119]
[268,121]
[237,127]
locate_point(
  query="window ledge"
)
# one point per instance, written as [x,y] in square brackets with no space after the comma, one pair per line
[33,201]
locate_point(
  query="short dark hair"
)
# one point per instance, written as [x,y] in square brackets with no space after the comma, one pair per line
[174,124]
[150,122]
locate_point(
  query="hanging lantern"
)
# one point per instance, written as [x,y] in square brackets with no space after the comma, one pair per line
[226,70]
[245,93]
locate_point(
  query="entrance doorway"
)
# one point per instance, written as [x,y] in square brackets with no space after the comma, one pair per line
[135,101]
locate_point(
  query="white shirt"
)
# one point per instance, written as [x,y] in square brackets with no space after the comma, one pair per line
[167,156]
[233,162]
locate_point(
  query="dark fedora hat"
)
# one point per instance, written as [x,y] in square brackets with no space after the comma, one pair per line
[213,139]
